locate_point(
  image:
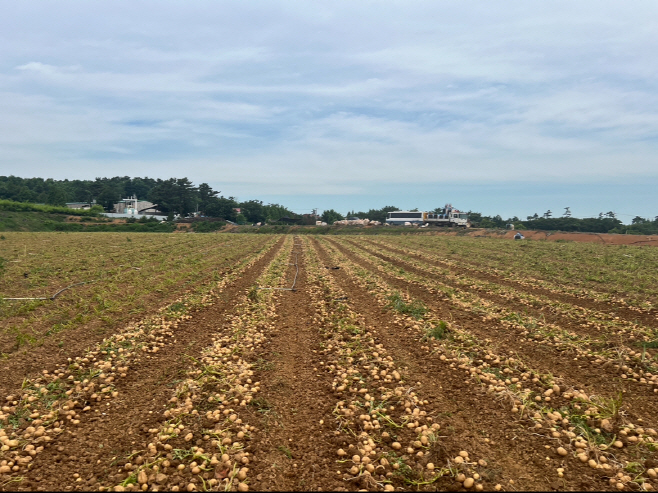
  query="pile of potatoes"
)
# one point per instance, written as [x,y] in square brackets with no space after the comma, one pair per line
[217,449]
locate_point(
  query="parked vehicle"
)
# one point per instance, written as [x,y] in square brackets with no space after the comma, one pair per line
[447,217]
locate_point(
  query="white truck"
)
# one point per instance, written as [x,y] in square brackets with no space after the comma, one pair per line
[448,216]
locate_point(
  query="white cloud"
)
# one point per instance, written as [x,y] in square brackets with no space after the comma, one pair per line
[330,98]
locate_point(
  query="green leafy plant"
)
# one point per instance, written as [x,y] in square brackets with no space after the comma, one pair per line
[415,309]
[436,331]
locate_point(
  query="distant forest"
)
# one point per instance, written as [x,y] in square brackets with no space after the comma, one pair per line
[181,196]
[173,196]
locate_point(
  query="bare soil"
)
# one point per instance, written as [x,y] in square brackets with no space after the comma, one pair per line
[295,441]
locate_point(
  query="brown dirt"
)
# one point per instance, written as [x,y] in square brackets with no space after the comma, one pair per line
[18,364]
[467,415]
[640,399]
[294,451]
[91,448]
[291,449]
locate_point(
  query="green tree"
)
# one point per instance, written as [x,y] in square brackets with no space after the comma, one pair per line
[330,216]
[274,212]
[253,210]
[174,195]
[164,195]
[205,196]
[221,207]
[473,217]
[56,196]
[186,195]
[108,196]
[24,194]
[374,214]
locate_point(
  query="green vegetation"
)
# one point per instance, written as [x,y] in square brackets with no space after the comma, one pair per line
[11,206]
[172,196]
[30,221]
[181,196]
[415,309]
[605,272]
[50,222]
[285,450]
[374,214]
[436,331]
[207,226]
[330,216]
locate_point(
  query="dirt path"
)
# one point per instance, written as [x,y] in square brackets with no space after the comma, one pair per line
[295,450]
[90,448]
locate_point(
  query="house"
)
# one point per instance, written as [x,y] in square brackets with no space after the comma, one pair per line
[133,206]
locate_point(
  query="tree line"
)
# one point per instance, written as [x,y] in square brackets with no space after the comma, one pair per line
[603,223]
[180,196]
[172,196]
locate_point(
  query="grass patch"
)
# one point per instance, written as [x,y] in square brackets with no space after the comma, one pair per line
[178,308]
[415,309]
[436,331]
[285,450]
[263,365]
[262,405]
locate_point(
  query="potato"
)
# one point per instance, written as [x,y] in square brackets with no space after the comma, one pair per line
[142,477]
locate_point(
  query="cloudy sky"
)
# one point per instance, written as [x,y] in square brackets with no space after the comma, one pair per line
[496,106]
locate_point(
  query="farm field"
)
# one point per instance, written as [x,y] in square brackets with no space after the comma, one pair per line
[397,363]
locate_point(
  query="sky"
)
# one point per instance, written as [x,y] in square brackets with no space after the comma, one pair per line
[502,107]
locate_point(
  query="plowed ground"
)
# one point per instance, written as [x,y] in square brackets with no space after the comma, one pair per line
[372,373]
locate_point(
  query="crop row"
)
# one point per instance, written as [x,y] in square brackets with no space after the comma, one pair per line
[65,396]
[580,426]
[639,366]
[121,292]
[379,414]
[203,442]
[612,274]
[586,317]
